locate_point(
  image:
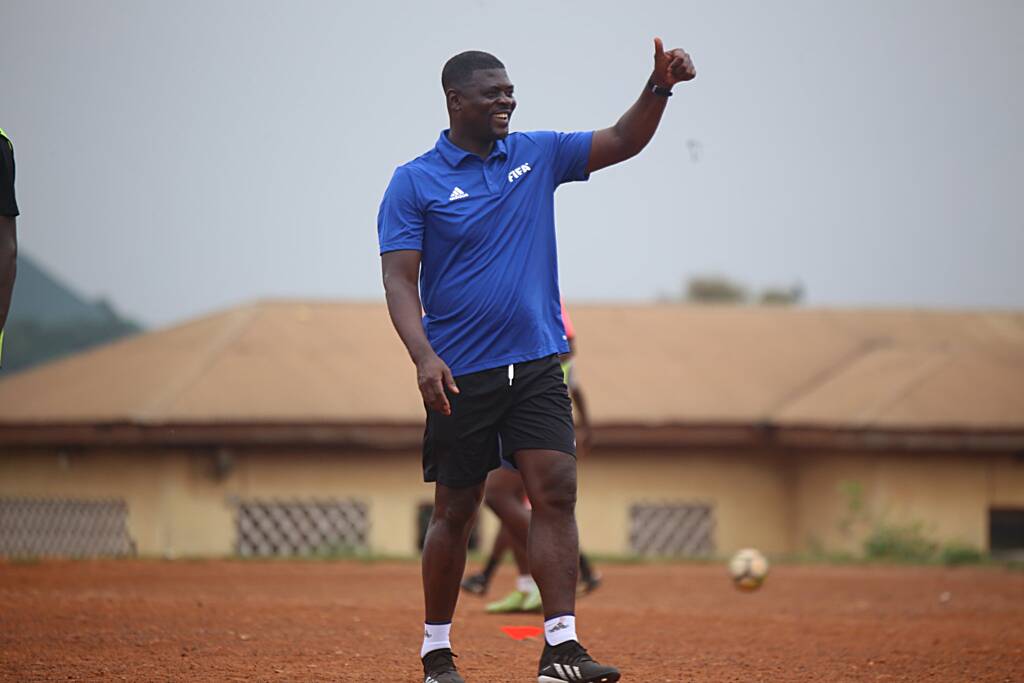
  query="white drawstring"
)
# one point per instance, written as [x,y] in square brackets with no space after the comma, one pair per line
[511,374]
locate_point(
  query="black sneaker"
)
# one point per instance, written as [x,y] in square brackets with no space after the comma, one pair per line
[438,667]
[570,663]
[475,584]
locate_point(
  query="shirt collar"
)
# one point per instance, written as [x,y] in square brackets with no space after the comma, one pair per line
[454,154]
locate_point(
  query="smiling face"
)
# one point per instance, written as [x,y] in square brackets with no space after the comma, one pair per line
[481,107]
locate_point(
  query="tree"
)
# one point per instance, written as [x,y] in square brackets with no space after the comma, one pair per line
[792,295]
[715,289]
[718,289]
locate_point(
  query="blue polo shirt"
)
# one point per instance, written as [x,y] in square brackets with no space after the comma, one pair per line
[485,230]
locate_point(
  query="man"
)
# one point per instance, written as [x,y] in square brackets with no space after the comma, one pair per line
[467,241]
[8,231]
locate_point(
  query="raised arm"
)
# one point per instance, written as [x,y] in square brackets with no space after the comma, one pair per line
[401,271]
[635,129]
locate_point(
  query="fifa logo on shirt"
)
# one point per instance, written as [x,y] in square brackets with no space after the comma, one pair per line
[518,172]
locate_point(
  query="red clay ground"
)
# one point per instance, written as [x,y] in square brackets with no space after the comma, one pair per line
[298,621]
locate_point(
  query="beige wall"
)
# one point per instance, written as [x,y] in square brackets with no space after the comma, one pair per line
[177,507]
[143,483]
[1006,481]
[748,493]
[777,502]
[948,494]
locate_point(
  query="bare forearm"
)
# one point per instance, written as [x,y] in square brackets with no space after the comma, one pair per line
[581,408]
[404,307]
[401,288]
[635,129]
[637,126]
[8,264]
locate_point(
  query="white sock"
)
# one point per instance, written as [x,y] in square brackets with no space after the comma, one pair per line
[525,583]
[435,637]
[557,630]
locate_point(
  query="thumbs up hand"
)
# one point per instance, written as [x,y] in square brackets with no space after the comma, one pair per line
[671,67]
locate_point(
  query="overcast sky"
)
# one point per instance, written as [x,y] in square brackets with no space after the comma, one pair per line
[181,157]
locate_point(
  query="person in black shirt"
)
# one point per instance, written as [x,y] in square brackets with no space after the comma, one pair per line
[8,231]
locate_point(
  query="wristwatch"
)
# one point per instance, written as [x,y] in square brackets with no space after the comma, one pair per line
[658,90]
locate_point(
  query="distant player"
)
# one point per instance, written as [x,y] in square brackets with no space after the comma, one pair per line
[505,491]
[467,244]
[8,231]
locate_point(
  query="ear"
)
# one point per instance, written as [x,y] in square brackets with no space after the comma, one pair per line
[454,101]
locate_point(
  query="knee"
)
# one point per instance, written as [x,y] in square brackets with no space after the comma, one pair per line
[493,500]
[504,488]
[498,498]
[458,511]
[557,494]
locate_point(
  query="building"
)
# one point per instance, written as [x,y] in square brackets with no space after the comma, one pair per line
[295,427]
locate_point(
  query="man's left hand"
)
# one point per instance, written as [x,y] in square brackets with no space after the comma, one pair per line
[671,67]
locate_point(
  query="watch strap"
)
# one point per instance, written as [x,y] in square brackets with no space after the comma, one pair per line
[659,90]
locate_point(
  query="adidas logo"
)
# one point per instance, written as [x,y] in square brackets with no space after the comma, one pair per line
[457,193]
[558,627]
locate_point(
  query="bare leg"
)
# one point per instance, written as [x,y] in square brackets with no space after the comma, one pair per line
[502,543]
[504,495]
[444,549]
[550,479]
[522,558]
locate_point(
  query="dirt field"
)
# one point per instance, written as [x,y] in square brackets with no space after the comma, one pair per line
[346,621]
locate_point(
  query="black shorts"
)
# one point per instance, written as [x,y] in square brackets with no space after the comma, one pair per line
[495,417]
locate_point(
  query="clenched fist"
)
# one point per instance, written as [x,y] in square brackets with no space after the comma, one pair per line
[671,67]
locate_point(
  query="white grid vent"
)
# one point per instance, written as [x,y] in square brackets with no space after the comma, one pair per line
[267,528]
[672,529]
[60,527]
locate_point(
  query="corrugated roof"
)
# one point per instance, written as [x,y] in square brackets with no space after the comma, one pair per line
[309,362]
[835,368]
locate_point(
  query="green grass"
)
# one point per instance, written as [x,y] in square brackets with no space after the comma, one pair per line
[900,543]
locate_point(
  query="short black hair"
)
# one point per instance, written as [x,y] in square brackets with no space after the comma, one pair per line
[460,68]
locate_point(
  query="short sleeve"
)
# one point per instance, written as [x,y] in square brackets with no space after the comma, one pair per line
[570,153]
[8,203]
[400,219]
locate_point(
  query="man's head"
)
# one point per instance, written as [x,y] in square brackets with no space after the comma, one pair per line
[479,95]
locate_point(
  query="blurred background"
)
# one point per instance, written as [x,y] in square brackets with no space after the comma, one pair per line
[800,311]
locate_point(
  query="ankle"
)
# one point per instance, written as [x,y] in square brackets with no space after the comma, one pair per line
[525,584]
[559,629]
[435,637]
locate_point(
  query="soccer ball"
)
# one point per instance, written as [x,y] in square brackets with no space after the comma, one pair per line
[748,569]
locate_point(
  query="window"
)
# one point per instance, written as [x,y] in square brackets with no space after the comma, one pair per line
[1006,531]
